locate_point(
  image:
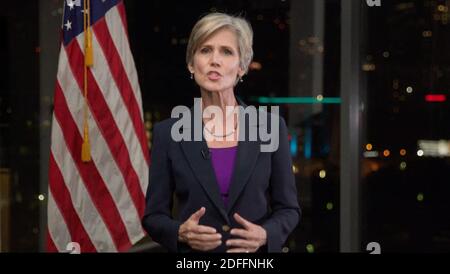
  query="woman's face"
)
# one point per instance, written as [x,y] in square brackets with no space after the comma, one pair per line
[216,62]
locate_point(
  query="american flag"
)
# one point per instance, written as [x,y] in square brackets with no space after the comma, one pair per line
[97,203]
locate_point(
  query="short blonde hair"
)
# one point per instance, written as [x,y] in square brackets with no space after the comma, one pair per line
[213,22]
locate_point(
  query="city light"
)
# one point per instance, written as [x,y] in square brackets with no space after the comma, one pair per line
[402,166]
[420,197]
[434,148]
[310,248]
[369,147]
[368,67]
[402,152]
[371,154]
[409,89]
[442,8]
[330,206]
[427,33]
[41,197]
[420,153]
[435,98]
[255,65]
[386,153]
[322,174]
[293,143]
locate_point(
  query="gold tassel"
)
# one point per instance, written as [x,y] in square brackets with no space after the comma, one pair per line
[88,62]
[86,147]
[88,51]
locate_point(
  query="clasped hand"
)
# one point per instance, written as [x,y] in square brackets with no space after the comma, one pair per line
[249,238]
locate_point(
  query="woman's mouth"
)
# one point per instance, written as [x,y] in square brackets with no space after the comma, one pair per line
[214,75]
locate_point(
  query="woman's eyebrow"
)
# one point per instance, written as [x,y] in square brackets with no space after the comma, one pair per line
[227,47]
[221,46]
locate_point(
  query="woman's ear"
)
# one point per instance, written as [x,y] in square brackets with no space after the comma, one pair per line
[241,72]
[191,68]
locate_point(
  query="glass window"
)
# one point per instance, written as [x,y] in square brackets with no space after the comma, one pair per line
[405,166]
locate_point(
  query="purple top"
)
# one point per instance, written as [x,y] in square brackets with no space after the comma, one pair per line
[223,163]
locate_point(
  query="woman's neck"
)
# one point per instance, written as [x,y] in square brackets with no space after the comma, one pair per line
[225,127]
[219,99]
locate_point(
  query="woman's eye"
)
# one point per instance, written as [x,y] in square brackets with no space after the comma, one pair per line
[228,52]
[204,50]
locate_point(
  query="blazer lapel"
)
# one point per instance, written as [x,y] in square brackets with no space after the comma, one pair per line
[247,154]
[197,154]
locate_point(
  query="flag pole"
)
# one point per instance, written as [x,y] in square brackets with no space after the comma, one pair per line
[88,62]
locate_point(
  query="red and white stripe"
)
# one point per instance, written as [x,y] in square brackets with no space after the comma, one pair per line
[98,204]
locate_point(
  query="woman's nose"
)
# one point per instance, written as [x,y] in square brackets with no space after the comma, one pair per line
[215,59]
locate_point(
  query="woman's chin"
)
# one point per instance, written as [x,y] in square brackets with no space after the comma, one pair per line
[215,88]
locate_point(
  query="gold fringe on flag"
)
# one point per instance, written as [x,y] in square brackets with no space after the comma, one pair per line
[88,62]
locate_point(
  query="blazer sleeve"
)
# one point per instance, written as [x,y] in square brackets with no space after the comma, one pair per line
[285,208]
[157,219]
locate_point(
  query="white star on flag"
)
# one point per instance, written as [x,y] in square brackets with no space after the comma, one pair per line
[70,4]
[68,25]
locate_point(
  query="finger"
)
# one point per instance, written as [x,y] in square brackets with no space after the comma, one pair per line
[239,243]
[241,233]
[239,250]
[197,215]
[199,245]
[204,229]
[206,244]
[206,237]
[242,221]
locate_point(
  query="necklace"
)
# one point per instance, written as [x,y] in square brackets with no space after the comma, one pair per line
[221,136]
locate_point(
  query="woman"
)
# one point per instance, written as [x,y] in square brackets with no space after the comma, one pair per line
[231,197]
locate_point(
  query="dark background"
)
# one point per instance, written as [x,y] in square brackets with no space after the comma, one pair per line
[404,209]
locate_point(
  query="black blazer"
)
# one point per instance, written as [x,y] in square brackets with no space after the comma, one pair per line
[262,189]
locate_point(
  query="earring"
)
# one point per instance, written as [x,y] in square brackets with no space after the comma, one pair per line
[192,76]
[241,80]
